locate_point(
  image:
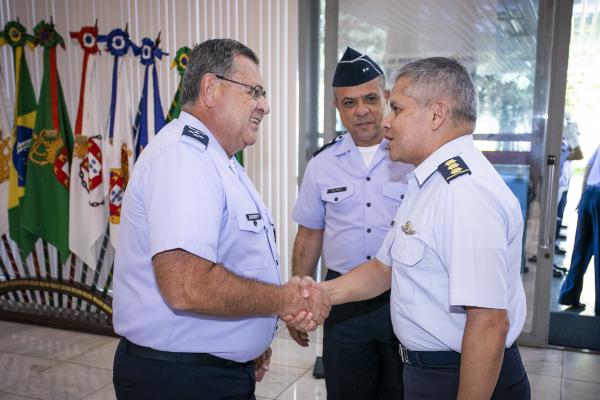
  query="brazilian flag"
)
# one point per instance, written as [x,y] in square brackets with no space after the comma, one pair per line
[14,35]
[180,62]
[46,203]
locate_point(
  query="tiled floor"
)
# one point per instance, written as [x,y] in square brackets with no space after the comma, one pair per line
[45,363]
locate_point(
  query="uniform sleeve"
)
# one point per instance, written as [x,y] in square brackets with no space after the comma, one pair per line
[184,202]
[471,235]
[309,210]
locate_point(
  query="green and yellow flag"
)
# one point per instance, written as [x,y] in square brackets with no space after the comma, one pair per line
[180,61]
[15,36]
[46,202]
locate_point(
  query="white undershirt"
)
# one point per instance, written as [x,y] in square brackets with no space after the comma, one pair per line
[368,153]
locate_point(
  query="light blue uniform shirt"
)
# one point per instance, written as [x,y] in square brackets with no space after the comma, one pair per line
[185,194]
[454,244]
[354,204]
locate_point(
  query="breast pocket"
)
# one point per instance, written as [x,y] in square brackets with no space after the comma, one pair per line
[338,198]
[394,191]
[407,251]
[406,254]
[250,221]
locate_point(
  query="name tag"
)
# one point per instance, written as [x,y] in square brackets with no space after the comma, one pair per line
[253,217]
[337,190]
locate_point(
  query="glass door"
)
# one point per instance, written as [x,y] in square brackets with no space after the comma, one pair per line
[509,47]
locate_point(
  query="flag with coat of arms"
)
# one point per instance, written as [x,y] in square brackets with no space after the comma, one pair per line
[88,210]
[149,118]
[120,127]
[5,130]
[15,35]
[46,202]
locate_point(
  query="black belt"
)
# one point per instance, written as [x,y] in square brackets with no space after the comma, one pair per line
[205,359]
[432,359]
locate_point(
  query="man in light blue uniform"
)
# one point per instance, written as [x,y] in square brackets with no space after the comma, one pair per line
[587,239]
[457,301]
[197,287]
[349,195]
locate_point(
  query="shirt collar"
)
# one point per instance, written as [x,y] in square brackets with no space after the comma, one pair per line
[445,152]
[347,144]
[219,154]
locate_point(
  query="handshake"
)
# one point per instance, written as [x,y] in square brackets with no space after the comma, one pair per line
[307,307]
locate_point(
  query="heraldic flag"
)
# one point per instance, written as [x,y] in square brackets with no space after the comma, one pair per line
[88,211]
[180,62]
[120,127]
[46,201]
[5,130]
[24,120]
[149,118]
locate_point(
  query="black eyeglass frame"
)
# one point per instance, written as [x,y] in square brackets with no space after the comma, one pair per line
[255,91]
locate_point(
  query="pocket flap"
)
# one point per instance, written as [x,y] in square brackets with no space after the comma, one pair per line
[250,220]
[408,251]
[395,190]
[337,193]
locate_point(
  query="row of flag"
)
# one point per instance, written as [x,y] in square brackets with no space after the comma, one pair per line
[66,186]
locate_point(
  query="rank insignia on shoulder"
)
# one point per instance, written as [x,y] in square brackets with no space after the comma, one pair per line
[195,133]
[326,145]
[453,168]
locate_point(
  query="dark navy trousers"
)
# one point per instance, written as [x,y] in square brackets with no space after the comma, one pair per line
[587,244]
[442,383]
[360,351]
[560,211]
[137,378]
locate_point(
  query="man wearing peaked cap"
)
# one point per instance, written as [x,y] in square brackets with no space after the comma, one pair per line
[355,68]
[348,198]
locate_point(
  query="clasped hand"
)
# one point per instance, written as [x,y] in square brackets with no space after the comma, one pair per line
[310,305]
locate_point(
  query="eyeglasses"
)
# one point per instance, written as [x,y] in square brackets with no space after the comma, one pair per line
[255,91]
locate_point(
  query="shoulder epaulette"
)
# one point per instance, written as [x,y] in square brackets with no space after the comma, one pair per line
[453,168]
[326,145]
[195,134]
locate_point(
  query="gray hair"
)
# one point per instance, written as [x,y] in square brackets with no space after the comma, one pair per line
[440,77]
[212,56]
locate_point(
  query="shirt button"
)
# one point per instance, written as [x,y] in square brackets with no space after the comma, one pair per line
[368,230]
[401,196]
[368,178]
[368,257]
[368,204]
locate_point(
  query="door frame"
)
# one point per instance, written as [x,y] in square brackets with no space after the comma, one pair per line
[553,39]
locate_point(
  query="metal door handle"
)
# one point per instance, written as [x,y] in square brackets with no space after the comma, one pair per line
[548,237]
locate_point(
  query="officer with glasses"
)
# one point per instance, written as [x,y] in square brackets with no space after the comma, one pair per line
[197,290]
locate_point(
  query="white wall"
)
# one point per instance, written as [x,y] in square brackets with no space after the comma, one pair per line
[269,27]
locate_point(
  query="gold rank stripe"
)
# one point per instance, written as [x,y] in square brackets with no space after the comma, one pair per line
[453,168]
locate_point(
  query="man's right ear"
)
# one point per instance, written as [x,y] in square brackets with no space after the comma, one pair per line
[209,90]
